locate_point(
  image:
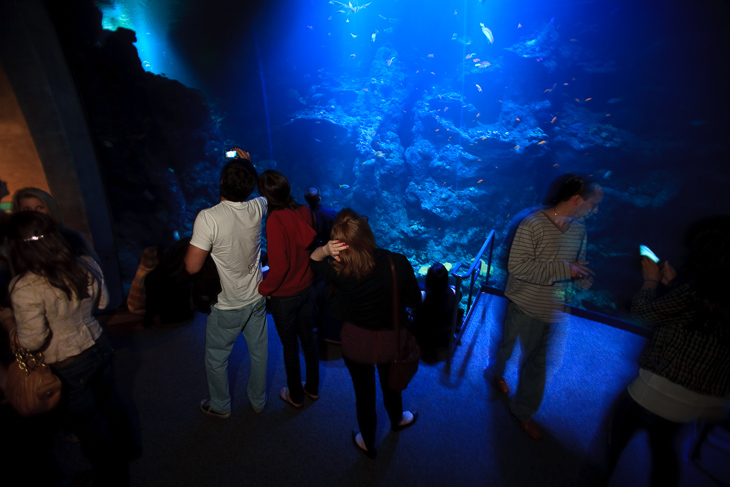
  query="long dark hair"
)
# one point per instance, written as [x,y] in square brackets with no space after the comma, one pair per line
[40,249]
[275,187]
[358,261]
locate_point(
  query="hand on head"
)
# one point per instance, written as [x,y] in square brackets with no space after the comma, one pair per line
[334,247]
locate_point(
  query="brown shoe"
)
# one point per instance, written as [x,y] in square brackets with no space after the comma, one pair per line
[530,427]
[501,385]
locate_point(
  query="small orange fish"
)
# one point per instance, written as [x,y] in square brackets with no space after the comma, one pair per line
[479,87]
[565,84]
[553,120]
[446,108]
[433,73]
[589,99]
[608,114]
[516,147]
[577,100]
[480,181]
[541,142]
[476,59]
[518,119]
[574,40]
[477,115]
[430,55]
[484,138]
[556,165]
[437,130]
[548,90]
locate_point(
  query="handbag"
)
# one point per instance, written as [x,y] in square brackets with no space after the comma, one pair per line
[405,365]
[32,387]
[365,346]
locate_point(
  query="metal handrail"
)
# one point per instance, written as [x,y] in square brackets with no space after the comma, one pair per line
[475,267]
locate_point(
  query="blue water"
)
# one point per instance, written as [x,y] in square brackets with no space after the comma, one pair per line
[386,109]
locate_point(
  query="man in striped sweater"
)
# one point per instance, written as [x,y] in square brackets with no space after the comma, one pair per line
[547,254]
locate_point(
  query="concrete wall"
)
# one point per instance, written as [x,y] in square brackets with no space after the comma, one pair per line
[20,165]
[46,94]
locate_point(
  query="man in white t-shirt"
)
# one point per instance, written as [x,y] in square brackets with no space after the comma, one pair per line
[231,233]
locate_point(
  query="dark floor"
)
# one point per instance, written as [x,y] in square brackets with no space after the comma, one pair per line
[465,435]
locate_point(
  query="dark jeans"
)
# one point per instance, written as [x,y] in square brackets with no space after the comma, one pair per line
[92,409]
[363,380]
[630,416]
[293,317]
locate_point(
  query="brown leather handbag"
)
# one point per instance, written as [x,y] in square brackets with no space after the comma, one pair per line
[32,386]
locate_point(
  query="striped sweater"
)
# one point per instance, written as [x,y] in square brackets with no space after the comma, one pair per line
[539,274]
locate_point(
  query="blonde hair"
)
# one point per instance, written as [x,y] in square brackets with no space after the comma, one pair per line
[358,261]
[54,211]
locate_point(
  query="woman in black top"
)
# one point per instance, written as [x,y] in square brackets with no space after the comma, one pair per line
[362,276]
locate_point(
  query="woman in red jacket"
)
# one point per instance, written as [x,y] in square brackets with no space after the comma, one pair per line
[289,236]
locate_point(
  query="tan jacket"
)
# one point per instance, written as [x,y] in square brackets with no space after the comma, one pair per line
[49,321]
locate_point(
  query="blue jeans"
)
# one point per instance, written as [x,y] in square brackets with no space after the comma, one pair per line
[92,409]
[294,319]
[221,331]
[534,339]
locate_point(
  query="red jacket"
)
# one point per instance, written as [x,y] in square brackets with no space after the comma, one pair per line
[289,234]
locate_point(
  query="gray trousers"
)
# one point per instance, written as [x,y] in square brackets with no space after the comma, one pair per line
[534,337]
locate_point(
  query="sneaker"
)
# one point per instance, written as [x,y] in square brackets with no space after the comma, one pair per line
[205,407]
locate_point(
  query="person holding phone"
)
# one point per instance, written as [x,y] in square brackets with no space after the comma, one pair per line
[684,371]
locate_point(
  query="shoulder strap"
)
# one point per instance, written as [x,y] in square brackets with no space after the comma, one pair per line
[396,301]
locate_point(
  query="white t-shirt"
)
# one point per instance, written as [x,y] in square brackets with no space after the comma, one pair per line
[231,232]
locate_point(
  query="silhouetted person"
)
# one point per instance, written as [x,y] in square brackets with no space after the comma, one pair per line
[684,370]
[322,216]
[432,320]
[547,253]
[322,219]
